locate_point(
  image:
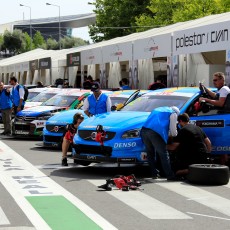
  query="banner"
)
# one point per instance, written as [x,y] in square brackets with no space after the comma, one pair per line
[202,39]
[73,59]
[45,63]
[33,65]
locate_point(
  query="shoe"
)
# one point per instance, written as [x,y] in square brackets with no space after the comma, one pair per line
[157,176]
[175,178]
[64,162]
[3,133]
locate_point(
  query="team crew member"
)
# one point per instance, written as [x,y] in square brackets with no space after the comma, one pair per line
[192,145]
[159,125]
[219,97]
[17,94]
[97,102]
[6,108]
[69,135]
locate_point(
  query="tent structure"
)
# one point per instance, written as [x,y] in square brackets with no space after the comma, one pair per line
[182,47]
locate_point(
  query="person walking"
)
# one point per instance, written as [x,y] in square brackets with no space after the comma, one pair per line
[125,84]
[69,135]
[97,102]
[17,94]
[6,108]
[161,123]
[191,144]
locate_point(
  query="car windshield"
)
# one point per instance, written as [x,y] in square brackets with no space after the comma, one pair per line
[61,100]
[32,95]
[118,100]
[42,97]
[149,103]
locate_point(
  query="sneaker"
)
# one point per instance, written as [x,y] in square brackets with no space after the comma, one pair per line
[157,176]
[64,162]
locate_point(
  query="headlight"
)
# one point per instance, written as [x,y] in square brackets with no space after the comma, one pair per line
[134,133]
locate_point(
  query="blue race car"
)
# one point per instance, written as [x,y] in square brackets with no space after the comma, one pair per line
[56,125]
[122,143]
[30,122]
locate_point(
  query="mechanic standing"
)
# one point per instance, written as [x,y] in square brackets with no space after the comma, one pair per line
[161,123]
[192,146]
[17,94]
[6,108]
[218,98]
[69,135]
[97,102]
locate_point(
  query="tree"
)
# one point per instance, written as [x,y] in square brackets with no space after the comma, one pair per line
[116,18]
[38,40]
[52,44]
[12,41]
[69,42]
[25,43]
[168,12]
[1,41]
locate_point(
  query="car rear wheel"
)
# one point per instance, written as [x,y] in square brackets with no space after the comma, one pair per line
[208,174]
[81,162]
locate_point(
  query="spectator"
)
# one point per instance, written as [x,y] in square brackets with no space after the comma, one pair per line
[65,84]
[17,94]
[88,83]
[68,138]
[6,108]
[159,125]
[218,98]
[125,84]
[192,145]
[97,102]
[157,85]
[40,84]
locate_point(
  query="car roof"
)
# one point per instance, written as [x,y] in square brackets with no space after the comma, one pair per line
[73,92]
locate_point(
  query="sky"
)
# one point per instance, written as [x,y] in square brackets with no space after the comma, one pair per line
[12,11]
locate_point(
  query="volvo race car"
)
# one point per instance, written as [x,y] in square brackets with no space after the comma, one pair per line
[34,92]
[30,122]
[122,141]
[56,125]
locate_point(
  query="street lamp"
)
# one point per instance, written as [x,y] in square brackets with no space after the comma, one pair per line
[49,4]
[31,37]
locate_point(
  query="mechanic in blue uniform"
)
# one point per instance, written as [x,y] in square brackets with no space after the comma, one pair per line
[6,108]
[17,95]
[125,84]
[97,102]
[161,123]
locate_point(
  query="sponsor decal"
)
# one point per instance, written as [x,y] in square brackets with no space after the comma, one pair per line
[143,156]
[21,132]
[221,148]
[91,157]
[39,124]
[125,145]
[126,159]
[210,123]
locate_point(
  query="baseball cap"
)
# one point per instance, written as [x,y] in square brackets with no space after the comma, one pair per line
[95,87]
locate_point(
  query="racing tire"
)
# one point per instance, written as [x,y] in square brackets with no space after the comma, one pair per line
[208,174]
[81,162]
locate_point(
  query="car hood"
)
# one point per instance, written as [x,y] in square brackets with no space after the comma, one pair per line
[38,110]
[114,120]
[65,117]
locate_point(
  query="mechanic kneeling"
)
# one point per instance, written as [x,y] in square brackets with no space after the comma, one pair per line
[191,144]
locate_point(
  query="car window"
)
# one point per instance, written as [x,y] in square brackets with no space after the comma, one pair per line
[60,100]
[41,97]
[118,100]
[32,95]
[149,103]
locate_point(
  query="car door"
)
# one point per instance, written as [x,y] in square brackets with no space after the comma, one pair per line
[216,124]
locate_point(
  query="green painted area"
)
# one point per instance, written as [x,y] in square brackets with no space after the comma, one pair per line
[61,214]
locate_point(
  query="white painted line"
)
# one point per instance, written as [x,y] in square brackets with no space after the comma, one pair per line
[18,228]
[215,217]
[144,204]
[3,218]
[210,200]
[16,173]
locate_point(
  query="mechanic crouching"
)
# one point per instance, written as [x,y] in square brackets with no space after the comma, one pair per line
[161,123]
[191,144]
